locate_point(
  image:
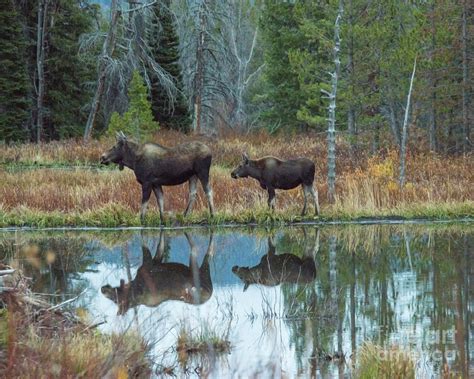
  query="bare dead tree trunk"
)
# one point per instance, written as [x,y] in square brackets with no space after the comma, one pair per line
[405,130]
[332,109]
[107,51]
[465,80]
[40,59]
[243,79]
[199,80]
[242,37]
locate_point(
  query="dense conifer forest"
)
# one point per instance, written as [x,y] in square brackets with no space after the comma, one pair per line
[216,66]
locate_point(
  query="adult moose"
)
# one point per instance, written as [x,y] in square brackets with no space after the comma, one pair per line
[155,166]
[273,173]
[275,269]
[157,281]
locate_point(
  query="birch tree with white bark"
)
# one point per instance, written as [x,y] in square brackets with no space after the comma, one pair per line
[405,129]
[332,107]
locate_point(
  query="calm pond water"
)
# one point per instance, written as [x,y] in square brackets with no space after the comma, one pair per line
[286,299]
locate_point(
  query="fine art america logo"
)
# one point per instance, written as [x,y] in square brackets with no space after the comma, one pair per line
[442,345]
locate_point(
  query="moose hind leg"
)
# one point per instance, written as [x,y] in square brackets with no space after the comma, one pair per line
[208,191]
[192,194]
[146,193]
[305,194]
[159,198]
[271,198]
[314,194]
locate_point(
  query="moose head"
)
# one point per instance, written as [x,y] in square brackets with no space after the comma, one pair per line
[242,170]
[117,153]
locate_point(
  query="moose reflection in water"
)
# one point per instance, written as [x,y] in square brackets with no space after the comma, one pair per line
[275,269]
[157,281]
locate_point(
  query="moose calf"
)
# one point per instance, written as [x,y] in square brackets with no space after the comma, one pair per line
[273,173]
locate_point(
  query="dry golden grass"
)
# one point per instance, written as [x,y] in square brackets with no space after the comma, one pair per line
[365,185]
[41,342]
[374,361]
[69,151]
[430,179]
[75,355]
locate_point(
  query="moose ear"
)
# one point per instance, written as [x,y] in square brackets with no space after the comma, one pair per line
[121,137]
[245,158]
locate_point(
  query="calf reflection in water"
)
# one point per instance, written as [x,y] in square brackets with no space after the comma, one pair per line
[275,269]
[157,281]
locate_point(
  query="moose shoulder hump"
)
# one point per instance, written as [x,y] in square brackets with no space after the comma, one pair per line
[153,149]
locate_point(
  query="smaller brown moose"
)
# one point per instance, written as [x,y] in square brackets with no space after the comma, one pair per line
[157,281]
[273,173]
[275,269]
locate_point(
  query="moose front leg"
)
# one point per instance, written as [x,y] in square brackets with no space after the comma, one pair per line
[271,198]
[146,193]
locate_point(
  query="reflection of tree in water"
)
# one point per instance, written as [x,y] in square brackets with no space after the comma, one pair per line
[452,287]
[379,274]
[53,263]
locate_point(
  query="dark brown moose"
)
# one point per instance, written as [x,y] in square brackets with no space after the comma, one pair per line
[275,269]
[273,173]
[155,166]
[157,281]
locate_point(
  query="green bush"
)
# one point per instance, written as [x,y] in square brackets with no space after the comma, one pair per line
[138,120]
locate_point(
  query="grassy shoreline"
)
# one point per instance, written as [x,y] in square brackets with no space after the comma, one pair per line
[116,216]
[60,184]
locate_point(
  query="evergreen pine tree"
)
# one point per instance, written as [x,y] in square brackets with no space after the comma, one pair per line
[67,71]
[164,44]
[14,82]
[282,95]
[313,59]
[137,121]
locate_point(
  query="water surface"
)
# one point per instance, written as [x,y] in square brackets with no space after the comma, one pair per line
[288,300]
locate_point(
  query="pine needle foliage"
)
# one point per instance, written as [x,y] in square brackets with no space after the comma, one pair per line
[14,82]
[138,120]
[164,43]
